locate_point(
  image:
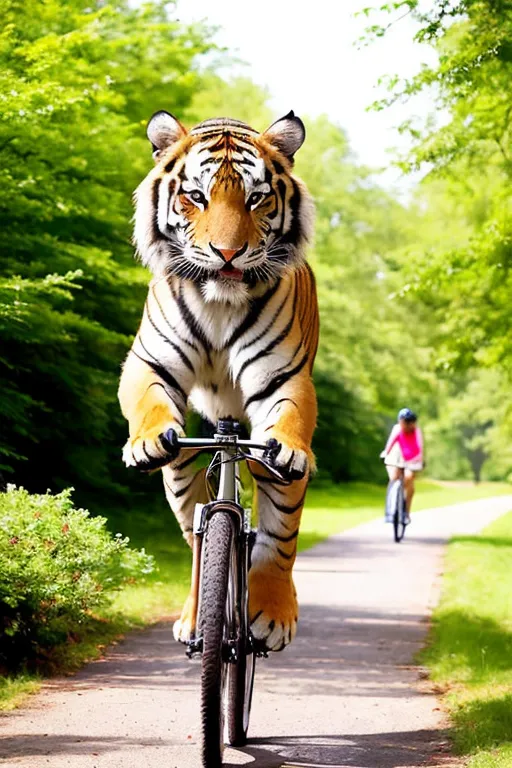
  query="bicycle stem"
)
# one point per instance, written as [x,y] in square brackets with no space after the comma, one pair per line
[227,480]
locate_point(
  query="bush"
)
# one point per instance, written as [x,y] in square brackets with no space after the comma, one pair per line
[57,564]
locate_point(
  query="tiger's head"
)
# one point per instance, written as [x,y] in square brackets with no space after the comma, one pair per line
[221,207]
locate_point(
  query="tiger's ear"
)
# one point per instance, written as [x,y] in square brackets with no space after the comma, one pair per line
[163,130]
[287,134]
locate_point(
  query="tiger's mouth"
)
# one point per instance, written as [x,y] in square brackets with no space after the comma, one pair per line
[229,272]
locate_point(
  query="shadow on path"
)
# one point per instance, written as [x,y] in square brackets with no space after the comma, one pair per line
[377,750]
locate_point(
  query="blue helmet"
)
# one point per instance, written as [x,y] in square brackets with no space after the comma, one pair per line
[407,415]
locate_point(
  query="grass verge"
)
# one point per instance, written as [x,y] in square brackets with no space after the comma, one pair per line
[471,644]
[330,509]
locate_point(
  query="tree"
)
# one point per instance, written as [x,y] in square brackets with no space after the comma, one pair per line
[471,435]
[76,82]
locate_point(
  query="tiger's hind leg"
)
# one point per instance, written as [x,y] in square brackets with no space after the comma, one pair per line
[273,607]
[185,486]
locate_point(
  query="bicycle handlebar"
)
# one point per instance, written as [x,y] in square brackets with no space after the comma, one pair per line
[221,441]
[233,441]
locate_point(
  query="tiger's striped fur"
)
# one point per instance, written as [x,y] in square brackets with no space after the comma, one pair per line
[230,328]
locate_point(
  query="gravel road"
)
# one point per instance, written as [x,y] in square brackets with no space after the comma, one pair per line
[346,694]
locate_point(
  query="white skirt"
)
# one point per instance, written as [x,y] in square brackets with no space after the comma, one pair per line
[395,459]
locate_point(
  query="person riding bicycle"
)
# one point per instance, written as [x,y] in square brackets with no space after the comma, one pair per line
[404,454]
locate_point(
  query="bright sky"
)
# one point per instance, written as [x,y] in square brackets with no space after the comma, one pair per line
[304,52]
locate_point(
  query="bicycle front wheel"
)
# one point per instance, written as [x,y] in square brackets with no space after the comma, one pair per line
[239,693]
[398,515]
[217,556]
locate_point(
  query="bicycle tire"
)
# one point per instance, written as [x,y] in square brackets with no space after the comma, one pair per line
[240,685]
[217,547]
[398,514]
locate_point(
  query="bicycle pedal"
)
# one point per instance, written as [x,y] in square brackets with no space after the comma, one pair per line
[194,648]
[259,648]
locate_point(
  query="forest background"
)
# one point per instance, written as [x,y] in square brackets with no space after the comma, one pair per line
[414,296]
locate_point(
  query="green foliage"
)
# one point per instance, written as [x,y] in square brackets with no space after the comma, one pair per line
[458,264]
[360,376]
[56,565]
[77,84]
[471,438]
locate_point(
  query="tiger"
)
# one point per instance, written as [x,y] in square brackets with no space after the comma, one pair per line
[229,329]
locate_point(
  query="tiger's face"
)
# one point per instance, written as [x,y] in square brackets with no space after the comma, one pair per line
[222,208]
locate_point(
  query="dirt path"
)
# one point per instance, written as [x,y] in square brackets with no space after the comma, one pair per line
[345,695]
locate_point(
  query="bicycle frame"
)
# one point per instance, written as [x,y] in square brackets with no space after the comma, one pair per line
[227,454]
[220,632]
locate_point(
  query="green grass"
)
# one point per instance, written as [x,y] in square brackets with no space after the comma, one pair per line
[13,689]
[430,493]
[471,644]
[330,509]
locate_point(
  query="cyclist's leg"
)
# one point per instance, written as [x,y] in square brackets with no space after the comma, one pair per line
[409,488]
[184,486]
[394,473]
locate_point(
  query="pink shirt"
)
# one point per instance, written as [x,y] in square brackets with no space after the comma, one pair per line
[411,443]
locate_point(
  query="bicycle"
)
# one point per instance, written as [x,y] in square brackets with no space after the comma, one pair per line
[396,509]
[221,553]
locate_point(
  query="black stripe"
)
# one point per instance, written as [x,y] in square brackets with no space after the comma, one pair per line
[270,480]
[170,165]
[178,419]
[162,372]
[188,461]
[257,306]
[276,383]
[192,324]
[284,555]
[267,327]
[180,352]
[146,454]
[283,400]
[293,234]
[274,343]
[286,509]
[180,337]
[244,161]
[156,384]
[183,491]
[281,187]
[220,144]
[266,350]
[166,483]
[284,539]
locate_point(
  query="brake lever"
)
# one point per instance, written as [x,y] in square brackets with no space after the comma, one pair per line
[279,478]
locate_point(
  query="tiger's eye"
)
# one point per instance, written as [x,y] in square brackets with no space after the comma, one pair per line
[255,198]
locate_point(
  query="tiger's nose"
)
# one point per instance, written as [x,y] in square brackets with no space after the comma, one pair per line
[228,254]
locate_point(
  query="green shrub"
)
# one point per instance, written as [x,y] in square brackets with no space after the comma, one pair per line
[57,564]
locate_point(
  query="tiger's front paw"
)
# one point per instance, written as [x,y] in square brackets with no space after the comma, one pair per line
[292,463]
[184,628]
[152,450]
[273,609]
